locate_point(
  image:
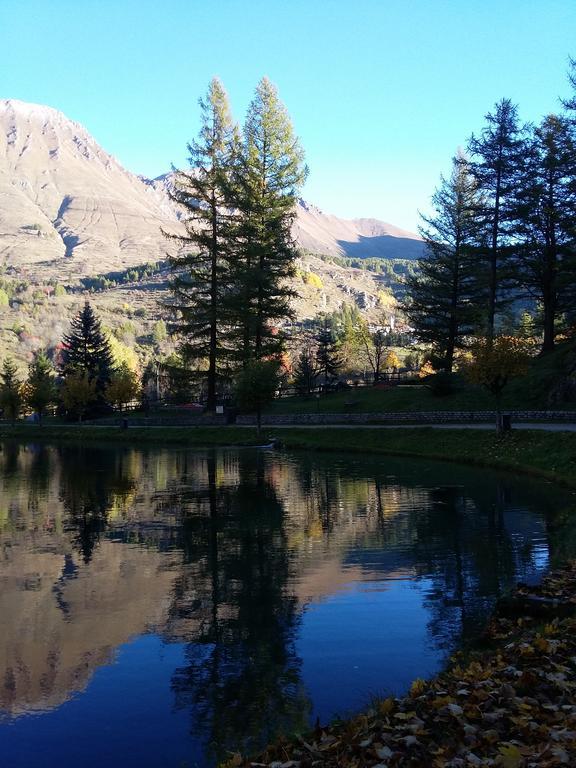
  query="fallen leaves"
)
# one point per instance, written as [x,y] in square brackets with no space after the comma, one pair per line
[511,707]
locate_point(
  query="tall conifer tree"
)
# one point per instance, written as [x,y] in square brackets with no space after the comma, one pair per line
[495,158]
[87,350]
[268,174]
[545,222]
[442,297]
[202,270]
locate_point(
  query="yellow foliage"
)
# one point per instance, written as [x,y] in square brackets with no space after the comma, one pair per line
[427,369]
[314,280]
[494,362]
[391,360]
[122,354]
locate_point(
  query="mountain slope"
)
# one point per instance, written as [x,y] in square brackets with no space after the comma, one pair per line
[68,204]
[65,200]
[320,232]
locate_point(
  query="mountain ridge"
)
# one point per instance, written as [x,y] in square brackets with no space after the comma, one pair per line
[67,201]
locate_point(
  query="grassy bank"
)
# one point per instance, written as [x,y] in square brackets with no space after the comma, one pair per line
[551,455]
[190,436]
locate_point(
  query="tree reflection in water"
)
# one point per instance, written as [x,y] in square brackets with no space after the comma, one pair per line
[242,678]
[229,552]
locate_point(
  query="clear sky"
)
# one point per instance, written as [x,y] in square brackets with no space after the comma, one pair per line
[381,92]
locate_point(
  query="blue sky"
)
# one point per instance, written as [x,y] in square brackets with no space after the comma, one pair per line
[381,92]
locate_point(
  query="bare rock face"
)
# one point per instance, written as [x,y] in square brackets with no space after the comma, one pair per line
[321,232]
[65,201]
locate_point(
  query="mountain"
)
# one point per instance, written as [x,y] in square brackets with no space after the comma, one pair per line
[68,204]
[320,232]
[73,220]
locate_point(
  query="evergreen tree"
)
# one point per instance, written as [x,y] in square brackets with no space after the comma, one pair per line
[11,395]
[40,389]
[496,155]
[256,386]
[545,225]
[442,297]
[87,351]
[328,360]
[570,104]
[267,176]
[201,273]
[305,371]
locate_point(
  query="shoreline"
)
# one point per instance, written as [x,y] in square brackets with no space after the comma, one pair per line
[548,455]
[509,703]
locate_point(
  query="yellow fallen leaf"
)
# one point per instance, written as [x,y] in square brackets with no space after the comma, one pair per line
[510,756]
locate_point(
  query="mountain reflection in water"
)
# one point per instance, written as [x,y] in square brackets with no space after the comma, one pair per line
[224,597]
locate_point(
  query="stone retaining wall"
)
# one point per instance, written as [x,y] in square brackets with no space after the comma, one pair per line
[411,417]
[192,420]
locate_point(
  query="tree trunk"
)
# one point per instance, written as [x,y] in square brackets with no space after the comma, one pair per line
[212,352]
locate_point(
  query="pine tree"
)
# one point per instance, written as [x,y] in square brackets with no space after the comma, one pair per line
[201,273]
[256,386]
[267,176]
[305,371]
[496,155]
[328,360]
[87,351]
[40,389]
[11,394]
[545,224]
[442,297]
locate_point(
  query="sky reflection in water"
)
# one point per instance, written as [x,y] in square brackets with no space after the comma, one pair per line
[171,605]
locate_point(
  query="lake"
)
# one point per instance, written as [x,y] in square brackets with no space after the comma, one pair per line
[165,607]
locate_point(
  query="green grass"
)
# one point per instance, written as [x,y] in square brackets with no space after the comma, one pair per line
[397,399]
[551,455]
[190,436]
[404,399]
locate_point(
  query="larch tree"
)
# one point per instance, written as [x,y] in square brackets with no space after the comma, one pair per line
[268,173]
[201,270]
[495,158]
[545,223]
[442,298]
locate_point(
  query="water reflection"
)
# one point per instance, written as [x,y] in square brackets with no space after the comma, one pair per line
[271,574]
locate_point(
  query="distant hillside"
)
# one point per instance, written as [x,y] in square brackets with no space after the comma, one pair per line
[67,203]
[321,232]
[70,212]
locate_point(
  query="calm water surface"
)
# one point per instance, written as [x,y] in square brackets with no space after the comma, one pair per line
[163,607]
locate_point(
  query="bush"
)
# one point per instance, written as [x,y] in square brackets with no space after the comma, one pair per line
[442,384]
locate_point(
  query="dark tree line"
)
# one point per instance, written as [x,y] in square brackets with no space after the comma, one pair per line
[231,284]
[502,235]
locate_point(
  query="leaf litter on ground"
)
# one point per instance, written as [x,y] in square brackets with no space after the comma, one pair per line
[510,705]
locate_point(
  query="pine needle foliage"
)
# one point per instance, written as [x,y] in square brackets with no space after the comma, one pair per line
[40,389]
[202,268]
[443,298]
[545,223]
[268,173]
[328,360]
[11,391]
[496,157]
[87,350]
